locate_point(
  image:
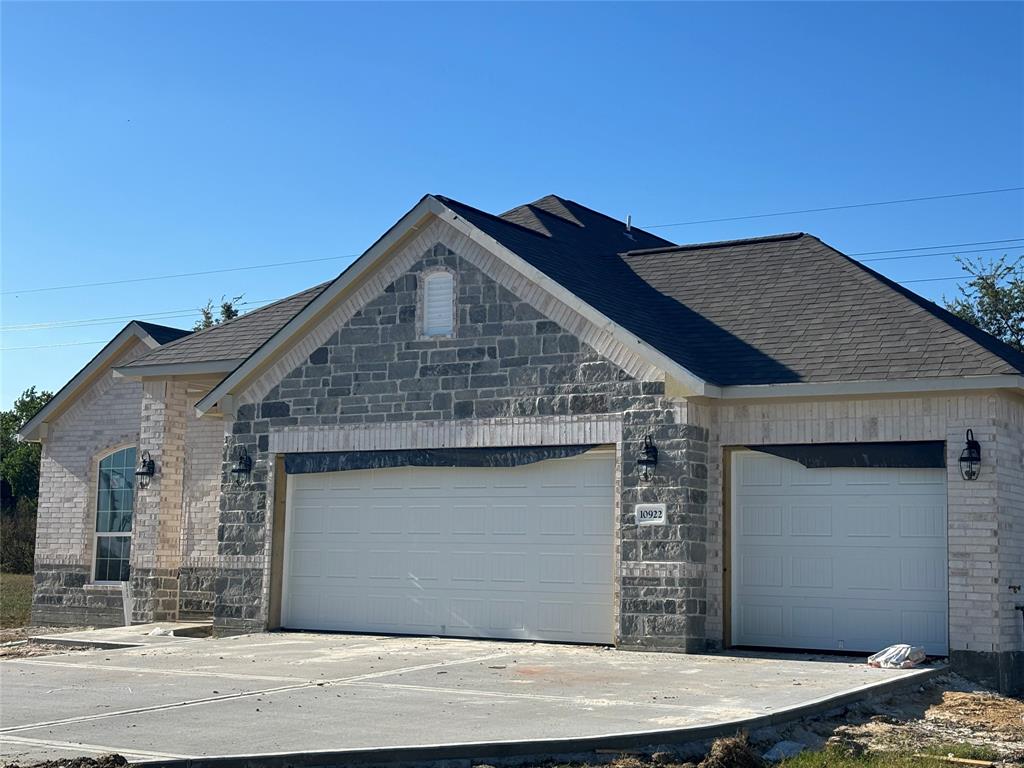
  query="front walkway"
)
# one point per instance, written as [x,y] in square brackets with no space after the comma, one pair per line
[290,692]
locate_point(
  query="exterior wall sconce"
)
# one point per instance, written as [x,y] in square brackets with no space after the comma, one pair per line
[243,466]
[145,471]
[648,460]
[970,458]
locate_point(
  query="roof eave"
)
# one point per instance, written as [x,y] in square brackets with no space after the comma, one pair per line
[177,370]
[689,383]
[873,387]
[427,206]
[35,429]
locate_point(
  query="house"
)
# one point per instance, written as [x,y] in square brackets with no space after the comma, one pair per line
[551,425]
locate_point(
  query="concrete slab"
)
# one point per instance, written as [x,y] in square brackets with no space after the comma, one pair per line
[292,692]
[136,634]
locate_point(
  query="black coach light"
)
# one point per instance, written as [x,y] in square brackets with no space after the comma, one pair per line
[970,458]
[243,466]
[146,470]
[648,459]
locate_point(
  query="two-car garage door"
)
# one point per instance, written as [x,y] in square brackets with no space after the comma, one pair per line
[511,552]
[837,558]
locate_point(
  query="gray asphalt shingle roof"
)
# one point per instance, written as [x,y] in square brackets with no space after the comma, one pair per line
[234,339]
[779,309]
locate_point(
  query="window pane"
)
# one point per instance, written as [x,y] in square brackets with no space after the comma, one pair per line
[114,502]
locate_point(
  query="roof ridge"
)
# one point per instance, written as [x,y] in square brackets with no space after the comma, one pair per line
[147,324]
[446,200]
[609,218]
[971,332]
[782,237]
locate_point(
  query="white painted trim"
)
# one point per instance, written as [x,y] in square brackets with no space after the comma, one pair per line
[431,206]
[878,387]
[425,207]
[598,429]
[137,372]
[33,430]
[693,384]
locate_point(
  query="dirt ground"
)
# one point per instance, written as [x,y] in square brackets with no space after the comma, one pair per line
[15,643]
[946,714]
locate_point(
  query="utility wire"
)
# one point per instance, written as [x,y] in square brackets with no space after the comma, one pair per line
[946,253]
[933,247]
[57,324]
[50,346]
[835,208]
[649,226]
[180,274]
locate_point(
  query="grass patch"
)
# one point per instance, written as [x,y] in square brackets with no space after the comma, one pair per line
[15,599]
[969,751]
[839,758]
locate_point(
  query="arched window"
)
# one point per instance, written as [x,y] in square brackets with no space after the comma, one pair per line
[438,304]
[115,500]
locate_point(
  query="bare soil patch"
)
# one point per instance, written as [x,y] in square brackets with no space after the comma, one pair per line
[16,643]
[103,761]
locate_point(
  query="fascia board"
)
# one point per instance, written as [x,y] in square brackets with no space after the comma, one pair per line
[408,223]
[33,430]
[879,387]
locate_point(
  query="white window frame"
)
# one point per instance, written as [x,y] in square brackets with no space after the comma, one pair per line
[421,308]
[97,535]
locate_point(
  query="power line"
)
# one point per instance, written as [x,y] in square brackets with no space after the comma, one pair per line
[835,208]
[931,279]
[946,253]
[50,346]
[170,313]
[933,247]
[177,274]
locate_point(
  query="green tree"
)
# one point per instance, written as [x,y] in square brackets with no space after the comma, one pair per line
[993,298]
[208,318]
[19,478]
[19,462]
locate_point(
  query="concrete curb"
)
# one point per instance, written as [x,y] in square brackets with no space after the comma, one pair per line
[536,750]
[107,645]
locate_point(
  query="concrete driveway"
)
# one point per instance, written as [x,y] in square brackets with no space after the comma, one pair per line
[291,692]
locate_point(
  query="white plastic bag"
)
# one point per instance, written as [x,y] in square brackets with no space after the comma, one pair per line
[898,657]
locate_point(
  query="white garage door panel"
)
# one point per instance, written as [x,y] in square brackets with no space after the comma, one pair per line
[850,559]
[522,552]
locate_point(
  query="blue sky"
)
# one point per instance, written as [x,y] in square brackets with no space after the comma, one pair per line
[145,139]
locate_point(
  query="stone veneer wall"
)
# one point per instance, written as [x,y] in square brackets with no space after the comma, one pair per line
[104,418]
[985,517]
[507,360]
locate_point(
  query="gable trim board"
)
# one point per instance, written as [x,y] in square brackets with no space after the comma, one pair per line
[407,227]
[35,429]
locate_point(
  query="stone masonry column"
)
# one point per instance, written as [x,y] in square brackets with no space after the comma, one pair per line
[156,524]
[663,580]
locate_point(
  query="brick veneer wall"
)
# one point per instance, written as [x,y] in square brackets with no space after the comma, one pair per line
[985,517]
[103,419]
[507,360]
[204,446]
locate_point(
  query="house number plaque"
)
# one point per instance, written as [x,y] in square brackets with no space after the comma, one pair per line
[650,514]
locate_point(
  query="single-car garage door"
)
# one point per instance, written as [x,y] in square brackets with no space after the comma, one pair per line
[512,552]
[837,558]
